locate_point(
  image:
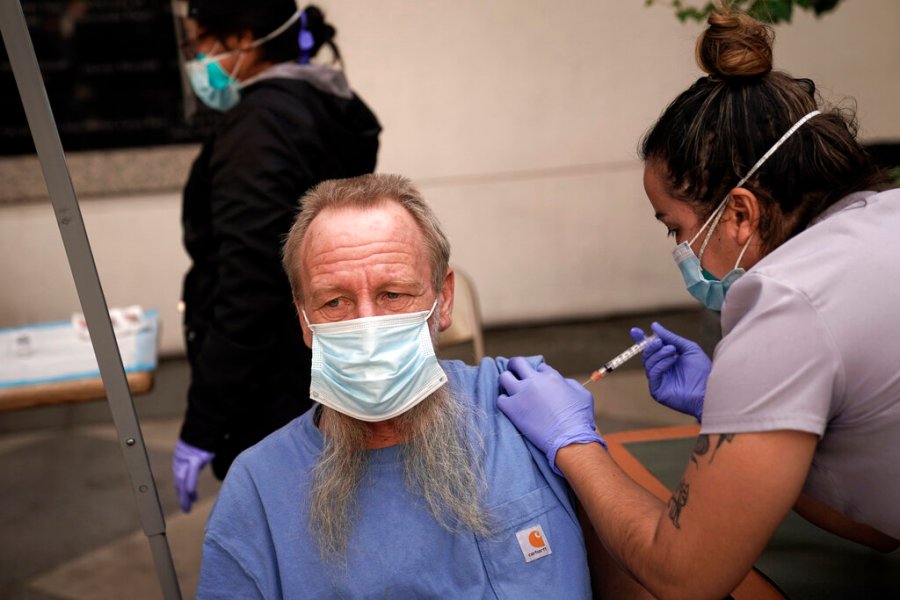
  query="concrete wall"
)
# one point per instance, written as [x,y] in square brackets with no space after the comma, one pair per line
[518,119]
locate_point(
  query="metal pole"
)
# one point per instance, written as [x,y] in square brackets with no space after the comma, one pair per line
[81,261]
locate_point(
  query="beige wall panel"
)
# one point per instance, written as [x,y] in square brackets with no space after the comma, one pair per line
[136,244]
[519,120]
[559,248]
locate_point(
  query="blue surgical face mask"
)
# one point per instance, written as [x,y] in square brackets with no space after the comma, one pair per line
[701,284]
[216,88]
[374,368]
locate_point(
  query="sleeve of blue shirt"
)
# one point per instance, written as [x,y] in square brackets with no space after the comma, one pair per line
[559,485]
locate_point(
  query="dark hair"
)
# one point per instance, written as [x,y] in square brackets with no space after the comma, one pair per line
[261,17]
[322,32]
[710,136]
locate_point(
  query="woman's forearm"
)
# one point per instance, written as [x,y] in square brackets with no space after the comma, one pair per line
[625,516]
[733,494]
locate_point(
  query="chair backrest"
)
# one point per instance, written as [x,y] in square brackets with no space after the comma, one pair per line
[466,327]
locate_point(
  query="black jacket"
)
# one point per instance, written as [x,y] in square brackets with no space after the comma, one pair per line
[249,366]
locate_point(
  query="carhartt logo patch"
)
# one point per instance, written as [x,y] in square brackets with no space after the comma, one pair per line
[533,543]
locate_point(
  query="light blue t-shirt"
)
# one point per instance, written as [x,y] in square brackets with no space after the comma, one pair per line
[257,544]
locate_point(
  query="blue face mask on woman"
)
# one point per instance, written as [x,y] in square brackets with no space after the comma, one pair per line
[701,284]
[374,368]
[215,87]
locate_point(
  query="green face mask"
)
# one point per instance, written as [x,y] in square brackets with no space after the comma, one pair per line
[215,88]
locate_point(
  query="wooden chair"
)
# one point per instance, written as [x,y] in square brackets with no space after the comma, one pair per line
[466,326]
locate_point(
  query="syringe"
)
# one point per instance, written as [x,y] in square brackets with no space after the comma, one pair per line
[620,359]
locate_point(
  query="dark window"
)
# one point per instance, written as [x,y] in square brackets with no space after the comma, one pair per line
[112,73]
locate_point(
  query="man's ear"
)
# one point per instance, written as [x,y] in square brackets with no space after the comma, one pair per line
[307,333]
[447,300]
[744,213]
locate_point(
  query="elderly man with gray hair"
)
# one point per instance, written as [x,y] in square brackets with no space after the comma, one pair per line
[403,480]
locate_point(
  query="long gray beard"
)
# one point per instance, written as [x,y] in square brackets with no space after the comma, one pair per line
[443,465]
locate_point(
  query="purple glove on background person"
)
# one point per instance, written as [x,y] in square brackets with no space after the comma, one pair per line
[549,410]
[186,466]
[677,370]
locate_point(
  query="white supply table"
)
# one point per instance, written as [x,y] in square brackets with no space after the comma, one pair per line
[54,363]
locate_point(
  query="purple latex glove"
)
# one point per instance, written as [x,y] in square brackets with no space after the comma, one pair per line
[677,370]
[186,465]
[549,410]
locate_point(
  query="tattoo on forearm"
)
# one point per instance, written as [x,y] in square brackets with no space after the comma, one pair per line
[701,447]
[677,502]
[680,497]
[725,437]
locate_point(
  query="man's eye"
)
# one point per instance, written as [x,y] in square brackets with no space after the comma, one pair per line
[333,303]
[392,295]
[671,233]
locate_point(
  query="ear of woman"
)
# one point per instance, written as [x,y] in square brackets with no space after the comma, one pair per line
[741,219]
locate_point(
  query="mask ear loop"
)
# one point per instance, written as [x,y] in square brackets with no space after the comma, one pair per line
[237,67]
[717,216]
[205,58]
[720,210]
[776,145]
[708,220]
[744,249]
[431,312]
[279,30]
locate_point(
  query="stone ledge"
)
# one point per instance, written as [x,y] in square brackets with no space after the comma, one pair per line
[101,173]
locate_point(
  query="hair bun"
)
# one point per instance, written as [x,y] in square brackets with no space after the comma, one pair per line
[735,45]
[322,31]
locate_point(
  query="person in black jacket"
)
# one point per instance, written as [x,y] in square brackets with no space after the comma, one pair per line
[287,124]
